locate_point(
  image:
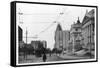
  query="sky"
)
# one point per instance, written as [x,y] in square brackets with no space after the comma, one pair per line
[39,20]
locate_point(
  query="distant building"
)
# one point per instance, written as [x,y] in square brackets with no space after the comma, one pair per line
[61,38]
[44,44]
[88,31]
[58,37]
[34,44]
[75,36]
[39,44]
[66,38]
[20,34]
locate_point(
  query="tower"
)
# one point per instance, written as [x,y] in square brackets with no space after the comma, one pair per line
[58,37]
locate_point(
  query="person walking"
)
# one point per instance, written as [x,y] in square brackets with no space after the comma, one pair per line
[44,58]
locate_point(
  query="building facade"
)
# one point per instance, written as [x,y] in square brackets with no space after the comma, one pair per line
[58,37]
[20,37]
[20,34]
[38,44]
[44,44]
[88,31]
[66,38]
[75,42]
[61,38]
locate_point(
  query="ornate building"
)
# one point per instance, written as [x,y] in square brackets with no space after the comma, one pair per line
[88,30]
[75,37]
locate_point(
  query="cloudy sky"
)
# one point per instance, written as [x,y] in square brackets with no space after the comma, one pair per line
[39,20]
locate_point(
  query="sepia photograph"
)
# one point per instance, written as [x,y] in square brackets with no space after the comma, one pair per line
[49,33]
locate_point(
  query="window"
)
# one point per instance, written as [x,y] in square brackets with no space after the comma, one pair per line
[76,29]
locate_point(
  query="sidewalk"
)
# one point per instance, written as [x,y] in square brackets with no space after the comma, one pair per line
[71,57]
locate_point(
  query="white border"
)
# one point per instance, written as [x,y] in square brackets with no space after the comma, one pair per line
[68,61]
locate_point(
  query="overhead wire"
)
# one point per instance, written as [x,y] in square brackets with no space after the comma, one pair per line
[56,21]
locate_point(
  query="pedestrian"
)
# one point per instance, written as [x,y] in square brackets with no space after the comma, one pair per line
[44,58]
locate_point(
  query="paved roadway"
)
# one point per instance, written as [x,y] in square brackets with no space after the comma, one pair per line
[33,59]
